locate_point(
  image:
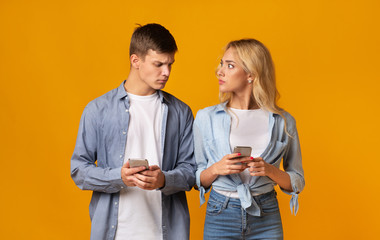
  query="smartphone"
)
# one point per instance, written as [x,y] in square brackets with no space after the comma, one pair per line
[244,150]
[138,162]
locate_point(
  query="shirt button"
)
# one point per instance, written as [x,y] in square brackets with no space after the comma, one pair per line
[113,226]
[115,203]
[124,133]
[126,110]
[121,156]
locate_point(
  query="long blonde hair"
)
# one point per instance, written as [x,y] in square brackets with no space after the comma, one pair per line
[256,60]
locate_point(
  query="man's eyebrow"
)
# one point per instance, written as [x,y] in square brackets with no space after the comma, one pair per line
[158,61]
[229,61]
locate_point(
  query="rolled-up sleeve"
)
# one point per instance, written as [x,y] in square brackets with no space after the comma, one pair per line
[293,166]
[200,155]
[84,172]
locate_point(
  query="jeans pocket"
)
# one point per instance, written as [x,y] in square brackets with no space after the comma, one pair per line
[214,207]
[269,206]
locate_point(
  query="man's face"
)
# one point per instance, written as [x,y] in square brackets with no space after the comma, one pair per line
[154,69]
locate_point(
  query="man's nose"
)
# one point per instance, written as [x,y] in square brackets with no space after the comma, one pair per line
[166,71]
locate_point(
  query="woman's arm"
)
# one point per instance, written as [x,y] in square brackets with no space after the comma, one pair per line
[261,168]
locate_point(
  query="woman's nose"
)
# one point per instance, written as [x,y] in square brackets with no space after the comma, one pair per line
[220,72]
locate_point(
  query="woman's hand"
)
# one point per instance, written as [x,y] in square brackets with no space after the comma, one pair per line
[229,164]
[258,167]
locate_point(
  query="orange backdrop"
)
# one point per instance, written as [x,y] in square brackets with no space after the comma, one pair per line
[56,56]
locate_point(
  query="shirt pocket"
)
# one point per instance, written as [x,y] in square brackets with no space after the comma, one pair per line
[276,153]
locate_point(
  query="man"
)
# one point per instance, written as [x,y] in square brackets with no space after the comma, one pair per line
[138,120]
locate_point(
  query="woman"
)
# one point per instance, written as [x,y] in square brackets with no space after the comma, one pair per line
[243,203]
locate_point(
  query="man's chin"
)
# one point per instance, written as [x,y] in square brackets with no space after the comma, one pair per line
[159,86]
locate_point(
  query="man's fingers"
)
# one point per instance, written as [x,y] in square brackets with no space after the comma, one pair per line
[144,185]
[154,167]
[126,164]
[134,170]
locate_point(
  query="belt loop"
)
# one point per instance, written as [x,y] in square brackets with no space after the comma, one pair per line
[226,202]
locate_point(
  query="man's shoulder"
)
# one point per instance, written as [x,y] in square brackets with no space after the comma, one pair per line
[103,101]
[175,102]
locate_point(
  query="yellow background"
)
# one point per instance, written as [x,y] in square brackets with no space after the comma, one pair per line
[56,56]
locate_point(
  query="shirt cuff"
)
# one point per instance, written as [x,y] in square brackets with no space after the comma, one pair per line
[294,206]
[115,179]
[202,190]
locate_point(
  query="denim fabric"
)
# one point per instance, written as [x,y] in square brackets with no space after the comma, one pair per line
[211,142]
[99,154]
[226,219]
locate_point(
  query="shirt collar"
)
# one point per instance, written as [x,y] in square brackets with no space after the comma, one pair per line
[221,107]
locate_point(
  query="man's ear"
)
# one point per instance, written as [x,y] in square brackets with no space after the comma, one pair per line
[135,61]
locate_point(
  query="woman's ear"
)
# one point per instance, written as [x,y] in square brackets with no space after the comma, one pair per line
[250,78]
[135,61]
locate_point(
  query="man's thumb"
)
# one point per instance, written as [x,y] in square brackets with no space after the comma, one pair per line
[126,165]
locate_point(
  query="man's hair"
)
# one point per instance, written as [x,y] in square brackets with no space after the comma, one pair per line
[151,36]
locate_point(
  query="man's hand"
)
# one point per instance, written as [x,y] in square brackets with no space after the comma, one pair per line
[150,179]
[127,174]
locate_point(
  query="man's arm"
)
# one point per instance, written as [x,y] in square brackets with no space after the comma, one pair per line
[84,172]
[182,177]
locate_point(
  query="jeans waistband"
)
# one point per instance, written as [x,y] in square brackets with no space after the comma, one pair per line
[225,200]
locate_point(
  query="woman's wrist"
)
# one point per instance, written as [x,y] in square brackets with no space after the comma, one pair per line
[213,171]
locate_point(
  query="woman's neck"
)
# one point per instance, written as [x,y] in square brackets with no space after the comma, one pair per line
[243,102]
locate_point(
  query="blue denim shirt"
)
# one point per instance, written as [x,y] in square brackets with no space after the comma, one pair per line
[99,155]
[211,142]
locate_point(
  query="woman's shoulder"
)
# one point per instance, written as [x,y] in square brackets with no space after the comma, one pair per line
[207,113]
[288,117]
[210,110]
[290,120]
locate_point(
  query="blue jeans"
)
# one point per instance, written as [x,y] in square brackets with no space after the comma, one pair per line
[226,219]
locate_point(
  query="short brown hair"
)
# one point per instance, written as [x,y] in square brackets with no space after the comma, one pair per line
[152,36]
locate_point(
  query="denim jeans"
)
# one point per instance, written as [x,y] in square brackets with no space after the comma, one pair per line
[226,219]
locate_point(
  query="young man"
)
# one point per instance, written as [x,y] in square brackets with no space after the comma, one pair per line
[138,120]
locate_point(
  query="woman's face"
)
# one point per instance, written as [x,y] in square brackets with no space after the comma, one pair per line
[231,76]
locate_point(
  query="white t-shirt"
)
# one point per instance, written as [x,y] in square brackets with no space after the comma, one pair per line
[140,211]
[248,128]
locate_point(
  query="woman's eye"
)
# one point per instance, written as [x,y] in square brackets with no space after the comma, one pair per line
[230,66]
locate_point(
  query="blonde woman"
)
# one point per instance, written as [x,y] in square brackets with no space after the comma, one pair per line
[242,203]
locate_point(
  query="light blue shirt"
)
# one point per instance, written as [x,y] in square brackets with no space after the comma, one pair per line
[99,155]
[211,143]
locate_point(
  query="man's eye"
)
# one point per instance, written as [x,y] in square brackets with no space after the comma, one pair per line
[158,64]
[230,66]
